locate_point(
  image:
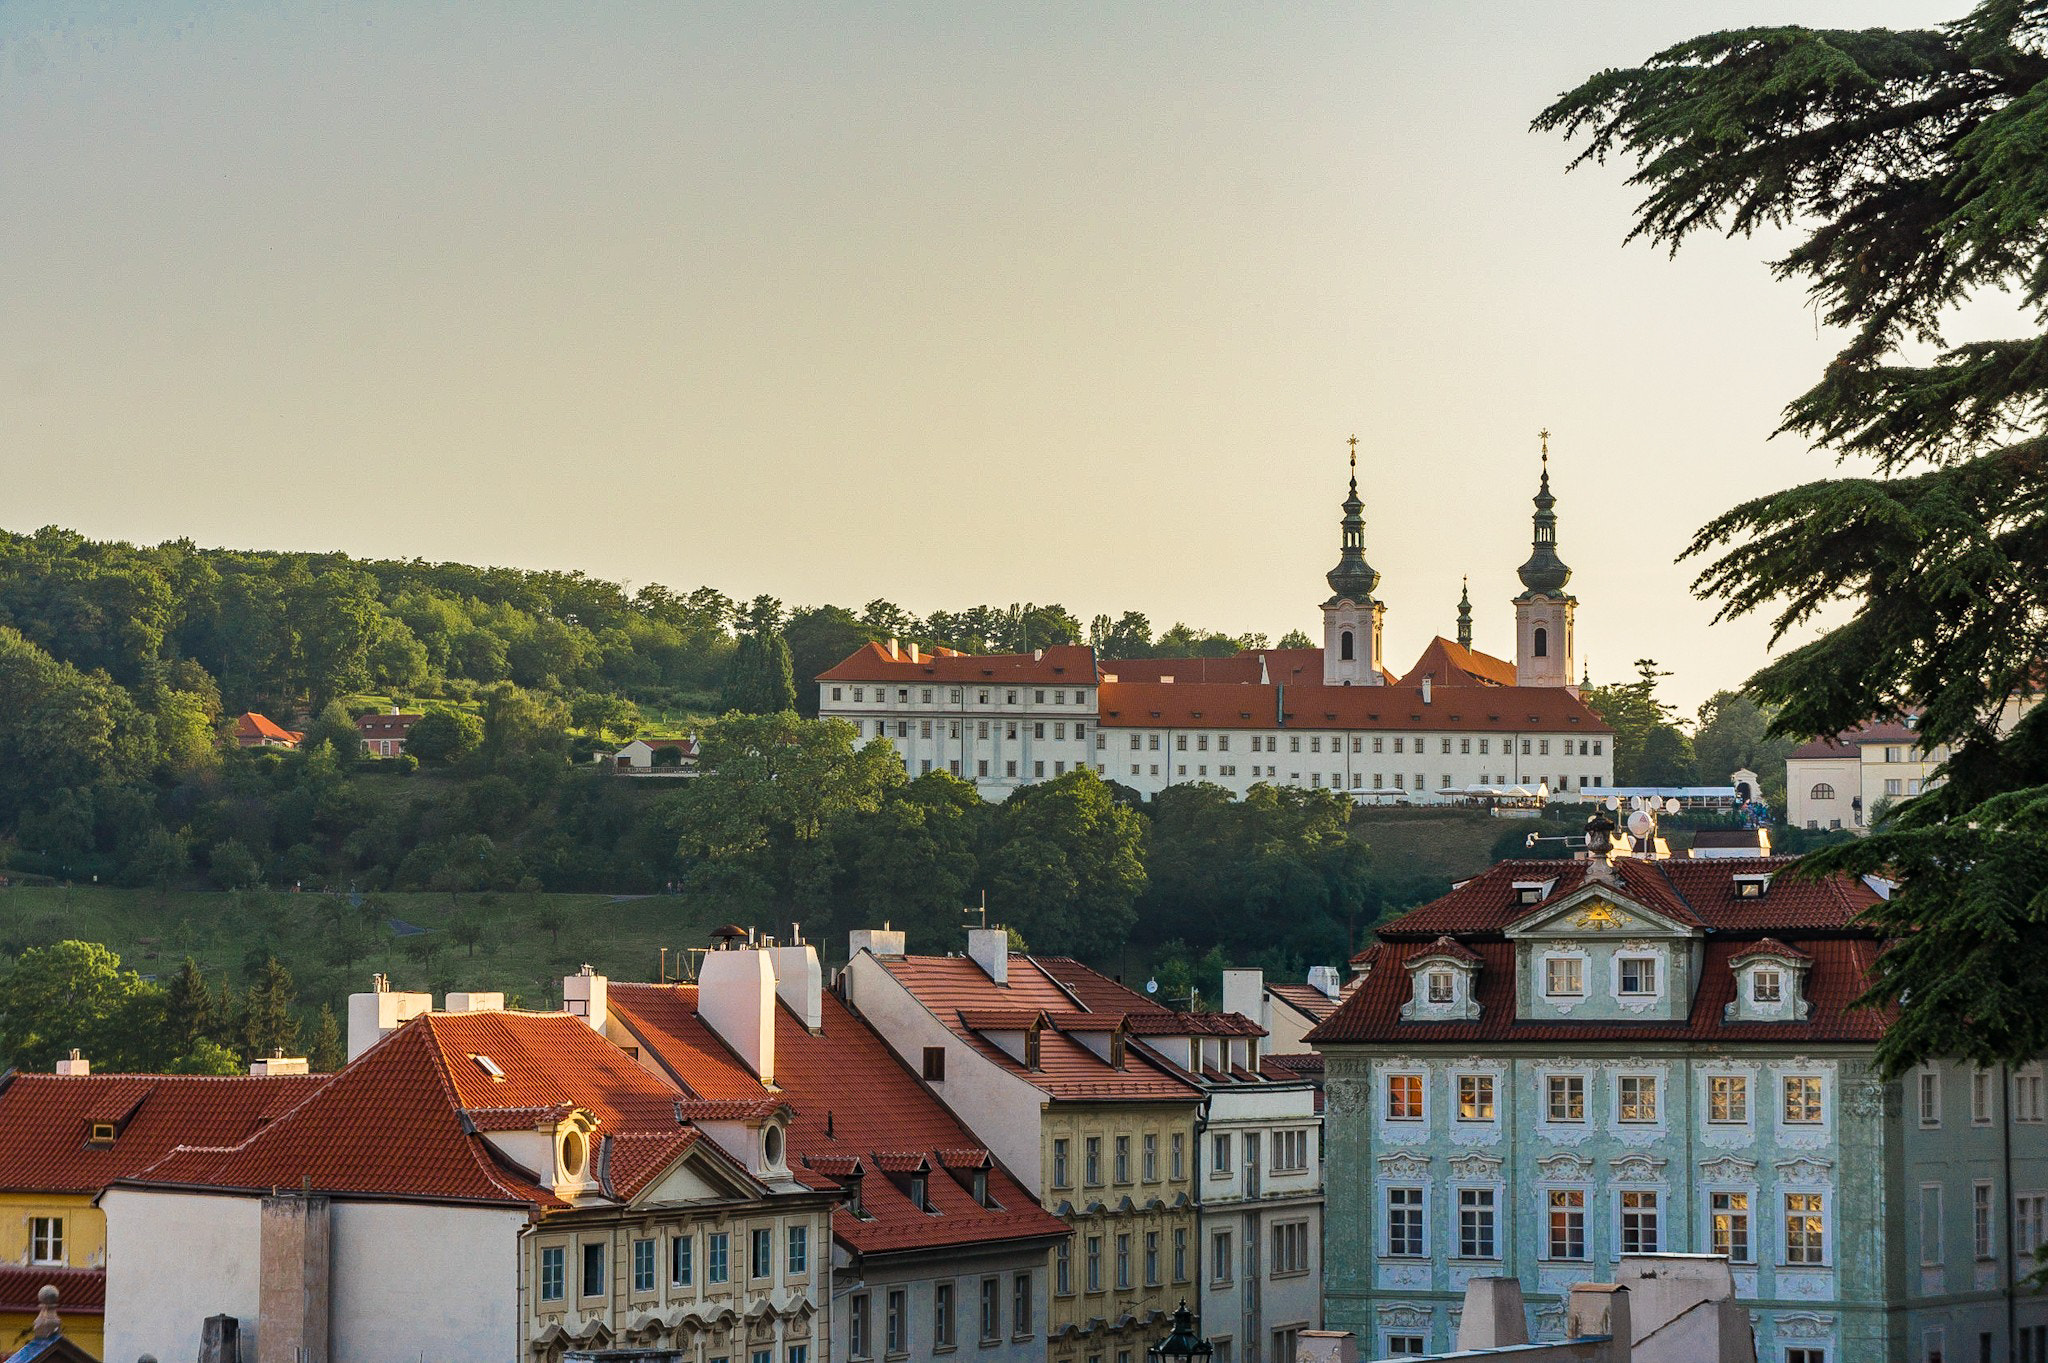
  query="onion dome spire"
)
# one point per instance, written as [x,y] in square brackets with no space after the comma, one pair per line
[1545,573]
[1353,579]
[1464,612]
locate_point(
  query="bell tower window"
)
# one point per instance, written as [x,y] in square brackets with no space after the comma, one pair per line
[1347,648]
[1542,645]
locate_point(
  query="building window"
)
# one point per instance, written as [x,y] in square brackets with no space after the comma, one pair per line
[1806,1356]
[717,1257]
[1729,1214]
[798,1353]
[1567,1223]
[1638,1097]
[763,1264]
[1805,1233]
[1094,1263]
[1475,1097]
[1404,1097]
[1930,1098]
[46,1240]
[1821,791]
[1180,1162]
[551,1273]
[857,1337]
[1404,1222]
[1180,1254]
[1219,1151]
[1802,1099]
[1980,1100]
[643,1265]
[1151,1258]
[942,1315]
[1220,1259]
[1727,1098]
[2026,1094]
[1766,986]
[1151,1157]
[1290,1248]
[593,1270]
[935,1063]
[799,1249]
[1542,644]
[1123,1261]
[1440,986]
[1566,1097]
[895,1326]
[2030,1219]
[680,1268]
[1638,1222]
[1059,1162]
[991,1310]
[1123,1160]
[1638,976]
[1476,1223]
[1980,1219]
[1020,1307]
[1063,1268]
[1930,1225]
[1564,977]
[1091,1161]
[1290,1151]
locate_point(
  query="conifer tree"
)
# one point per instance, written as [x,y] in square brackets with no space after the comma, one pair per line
[1912,165]
[760,678]
[269,1024]
[325,1053]
[188,1007]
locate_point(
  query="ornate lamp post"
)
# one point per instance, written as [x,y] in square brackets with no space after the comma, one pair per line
[1182,1343]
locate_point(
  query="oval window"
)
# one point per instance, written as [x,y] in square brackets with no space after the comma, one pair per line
[771,1146]
[572,1154]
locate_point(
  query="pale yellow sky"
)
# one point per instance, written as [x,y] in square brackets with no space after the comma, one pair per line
[947,304]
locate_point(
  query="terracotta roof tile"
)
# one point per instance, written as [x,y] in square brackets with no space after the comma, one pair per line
[46,1120]
[80,1291]
[1304,998]
[1447,946]
[1448,663]
[1769,946]
[251,725]
[1071,664]
[852,1098]
[1210,705]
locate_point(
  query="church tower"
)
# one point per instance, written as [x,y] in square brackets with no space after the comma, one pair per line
[1351,618]
[1544,646]
[1465,612]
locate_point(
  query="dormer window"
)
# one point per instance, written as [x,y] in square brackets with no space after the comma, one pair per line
[1031,1049]
[853,1203]
[1440,987]
[921,1191]
[1638,976]
[1751,887]
[1564,977]
[980,1188]
[1766,986]
[1533,891]
[489,1067]
[1443,980]
[102,1133]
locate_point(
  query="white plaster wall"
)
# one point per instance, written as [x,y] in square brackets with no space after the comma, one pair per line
[997,1106]
[174,1259]
[1843,773]
[412,1280]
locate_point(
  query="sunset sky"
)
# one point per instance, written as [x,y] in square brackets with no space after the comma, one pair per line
[946,304]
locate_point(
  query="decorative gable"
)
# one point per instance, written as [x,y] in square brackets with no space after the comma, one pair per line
[1444,981]
[1770,984]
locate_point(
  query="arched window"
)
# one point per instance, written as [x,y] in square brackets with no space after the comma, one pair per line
[1346,650]
[1821,791]
[1542,649]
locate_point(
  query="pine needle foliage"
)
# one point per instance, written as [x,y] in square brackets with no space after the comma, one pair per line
[1913,169]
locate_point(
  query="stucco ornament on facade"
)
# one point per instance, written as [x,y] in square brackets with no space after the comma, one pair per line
[1637,1169]
[1565,1166]
[1475,1165]
[1602,917]
[1404,1316]
[1804,1325]
[1404,1166]
[1728,1169]
[1806,1171]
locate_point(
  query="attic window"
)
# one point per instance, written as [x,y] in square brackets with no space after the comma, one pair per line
[102,1133]
[1532,891]
[981,1188]
[935,1063]
[490,1067]
[921,1192]
[1751,887]
[1571,719]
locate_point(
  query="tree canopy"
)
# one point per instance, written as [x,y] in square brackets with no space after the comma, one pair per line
[1910,168]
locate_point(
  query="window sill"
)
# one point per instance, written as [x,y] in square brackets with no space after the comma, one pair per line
[1277,1275]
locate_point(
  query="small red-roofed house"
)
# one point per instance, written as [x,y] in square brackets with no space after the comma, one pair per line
[476,1186]
[253,730]
[384,733]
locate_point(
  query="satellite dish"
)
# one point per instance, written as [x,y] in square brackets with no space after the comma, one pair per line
[1613,802]
[1640,824]
[1671,806]
[1151,986]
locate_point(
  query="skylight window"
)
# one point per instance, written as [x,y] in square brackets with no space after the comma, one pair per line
[490,1067]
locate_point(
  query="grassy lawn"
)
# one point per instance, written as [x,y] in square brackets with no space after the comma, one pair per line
[1447,843]
[226,932]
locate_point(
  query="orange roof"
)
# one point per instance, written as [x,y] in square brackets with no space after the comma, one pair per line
[1448,663]
[859,1112]
[1061,663]
[249,724]
[404,1119]
[46,1122]
[1305,999]
[1210,705]
[950,986]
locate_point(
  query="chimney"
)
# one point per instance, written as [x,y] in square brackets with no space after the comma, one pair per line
[1324,1346]
[990,948]
[1244,993]
[882,941]
[373,1015]
[292,1281]
[1601,1309]
[277,1062]
[894,653]
[1494,1315]
[800,982]
[1037,655]
[1325,980]
[913,654]
[75,1064]
[475,1003]
[736,999]
[583,996]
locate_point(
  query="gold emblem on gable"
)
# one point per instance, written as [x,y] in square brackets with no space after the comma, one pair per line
[1601,917]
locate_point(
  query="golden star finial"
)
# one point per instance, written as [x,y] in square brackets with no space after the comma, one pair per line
[1544,436]
[1354,454]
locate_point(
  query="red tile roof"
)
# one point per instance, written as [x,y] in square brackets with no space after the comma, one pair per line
[855,1105]
[394,1122]
[46,1120]
[1449,663]
[385,725]
[1304,998]
[1287,665]
[251,727]
[1373,1012]
[1848,741]
[1769,946]
[1062,663]
[1068,1070]
[1446,946]
[80,1291]
[1212,705]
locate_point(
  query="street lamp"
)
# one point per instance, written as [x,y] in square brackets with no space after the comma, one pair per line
[1182,1343]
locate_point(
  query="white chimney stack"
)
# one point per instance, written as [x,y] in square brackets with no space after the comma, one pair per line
[583,994]
[800,982]
[882,941]
[990,948]
[894,652]
[374,1015]
[75,1064]
[736,999]
[1325,980]
[914,654]
[279,1063]
[476,1002]
[1244,993]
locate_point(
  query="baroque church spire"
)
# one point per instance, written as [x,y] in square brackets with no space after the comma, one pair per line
[1464,612]
[1353,579]
[1545,573]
